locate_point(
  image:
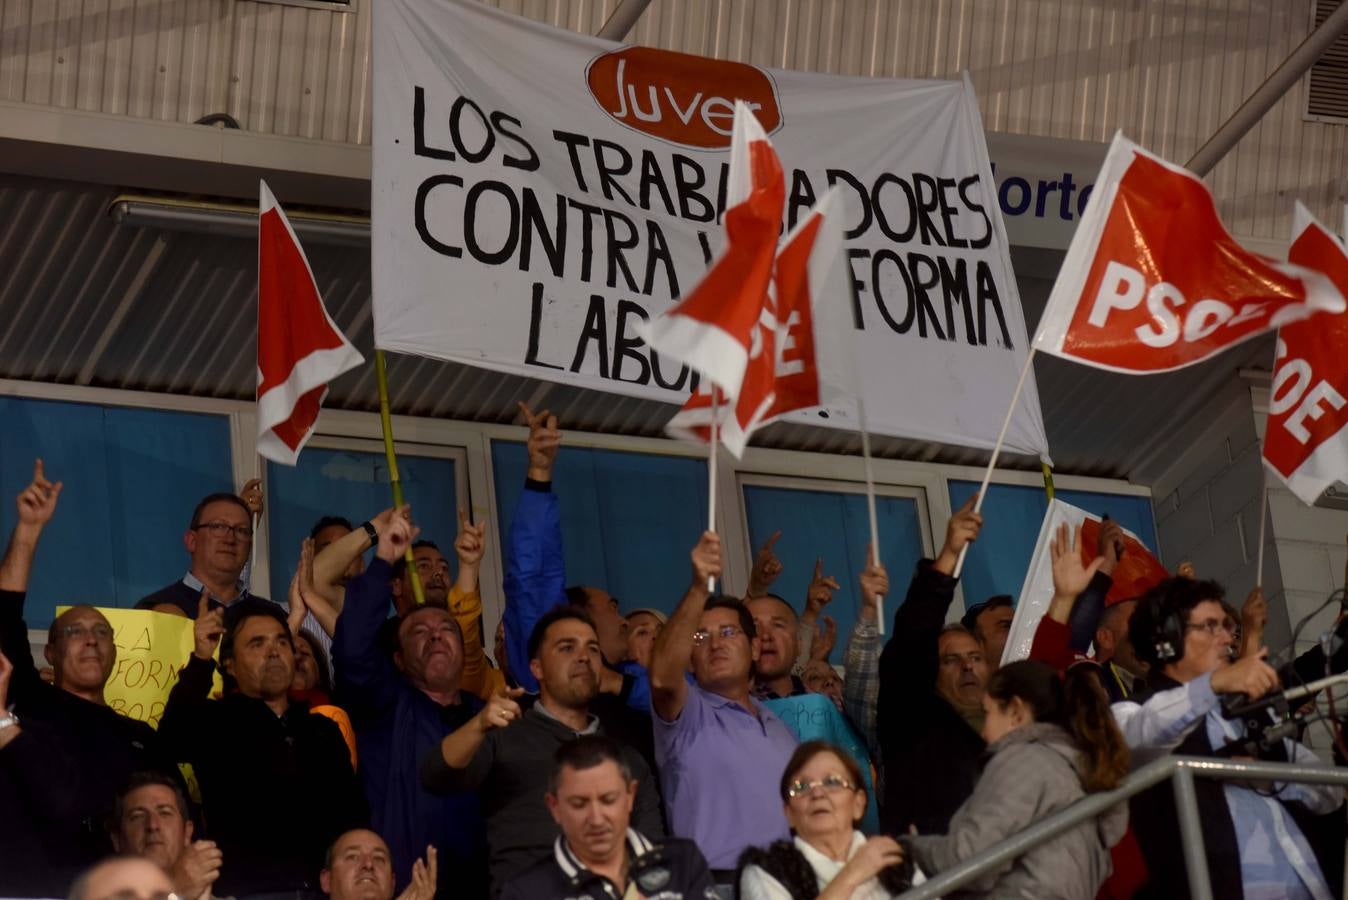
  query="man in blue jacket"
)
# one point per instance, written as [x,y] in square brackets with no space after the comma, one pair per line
[535,577]
[401,709]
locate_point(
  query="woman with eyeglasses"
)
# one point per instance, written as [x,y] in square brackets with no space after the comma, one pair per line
[1051,740]
[824,798]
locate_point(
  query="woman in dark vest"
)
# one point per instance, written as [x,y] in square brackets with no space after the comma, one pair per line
[824,797]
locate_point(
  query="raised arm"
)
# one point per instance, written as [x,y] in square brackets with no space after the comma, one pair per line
[535,577]
[673,648]
[465,603]
[36,505]
[465,755]
[818,595]
[861,687]
[332,562]
[186,714]
[366,679]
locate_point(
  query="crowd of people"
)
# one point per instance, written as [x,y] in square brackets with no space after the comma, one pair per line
[364,745]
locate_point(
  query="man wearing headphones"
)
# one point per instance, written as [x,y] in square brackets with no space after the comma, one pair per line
[1254,847]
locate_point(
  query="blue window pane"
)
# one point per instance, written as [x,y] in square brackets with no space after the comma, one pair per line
[834,526]
[353,484]
[628,519]
[130,479]
[1012,516]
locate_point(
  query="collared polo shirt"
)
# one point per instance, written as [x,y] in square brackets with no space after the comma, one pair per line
[720,767]
[186,595]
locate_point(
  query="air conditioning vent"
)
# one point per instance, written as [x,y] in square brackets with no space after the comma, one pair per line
[345,6]
[1334,497]
[1327,86]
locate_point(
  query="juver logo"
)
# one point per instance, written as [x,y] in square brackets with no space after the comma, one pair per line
[680,98]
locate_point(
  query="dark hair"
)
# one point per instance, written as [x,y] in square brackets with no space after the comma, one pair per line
[320,660]
[722,601]
[970,617]
[1162,613]
[1078,705]
[400,564]
[219,497]
[808,751]
[586,752]
[577,595]
[559,613]
[142,779]
[328,522]
[242,611]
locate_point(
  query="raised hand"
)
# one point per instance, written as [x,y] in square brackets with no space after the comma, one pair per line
[1070,577]
[501,709]
[251,495]
[960,531]
[398,536]
[424,874]
[874,585]
[37,502]
[471,542]
[544,440]
[1253,618]
[1109,545]
[1186,570]
[197,868]
[820,592]
[766,568]
[875,855]
[208,628]
[825,638]
[706,557]
[301,586]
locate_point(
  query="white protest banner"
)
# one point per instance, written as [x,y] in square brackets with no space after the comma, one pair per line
[1136,573]
[538,192]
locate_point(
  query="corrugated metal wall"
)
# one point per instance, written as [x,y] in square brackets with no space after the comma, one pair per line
[1167,73]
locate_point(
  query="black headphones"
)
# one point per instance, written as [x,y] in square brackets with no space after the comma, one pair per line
[1167,633]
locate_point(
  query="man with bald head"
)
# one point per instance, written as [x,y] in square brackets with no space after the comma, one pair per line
[358,867]
[68,752]
[402,704]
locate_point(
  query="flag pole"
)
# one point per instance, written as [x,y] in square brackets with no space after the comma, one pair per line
[711,471]
[996,450]
[386,424]
[870,504]
[1263,514]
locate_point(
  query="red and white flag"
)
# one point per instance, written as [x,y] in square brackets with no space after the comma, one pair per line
[725,321]
[1306,439]
[1153,282]
[299,348]
[800,356]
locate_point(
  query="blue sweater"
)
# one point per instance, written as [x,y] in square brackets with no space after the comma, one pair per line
[396,726]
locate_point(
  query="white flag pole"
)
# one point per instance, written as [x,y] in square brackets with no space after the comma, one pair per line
[711,473]
[1263,514]
[870,503]
[997,449]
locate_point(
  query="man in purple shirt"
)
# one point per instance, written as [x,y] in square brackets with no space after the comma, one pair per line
[721,754]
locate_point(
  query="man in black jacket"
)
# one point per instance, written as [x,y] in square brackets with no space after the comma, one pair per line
[63,752]
[277,785]
[505,753]
[599,855]
[929,713]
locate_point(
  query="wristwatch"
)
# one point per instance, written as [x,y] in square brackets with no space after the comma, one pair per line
[369,530]
[8,720]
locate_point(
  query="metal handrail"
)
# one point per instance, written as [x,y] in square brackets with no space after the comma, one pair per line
[1183,769]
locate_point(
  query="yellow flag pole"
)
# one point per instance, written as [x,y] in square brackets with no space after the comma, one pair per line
[1048,480]
[386,424]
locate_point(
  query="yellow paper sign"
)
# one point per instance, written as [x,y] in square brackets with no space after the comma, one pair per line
[151,648]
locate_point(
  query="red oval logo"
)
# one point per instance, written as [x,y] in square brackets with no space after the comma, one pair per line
[681,98]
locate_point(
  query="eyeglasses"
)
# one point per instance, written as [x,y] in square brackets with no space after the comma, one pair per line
[82,632]
[1211,626]
[221,529]
[725,632]
[830,783]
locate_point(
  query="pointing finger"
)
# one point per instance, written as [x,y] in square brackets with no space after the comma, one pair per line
[772,540]
[818,568]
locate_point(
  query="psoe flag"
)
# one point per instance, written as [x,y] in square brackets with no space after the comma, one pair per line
[1306,441]
[299,348]
[801,355]
[713,329]
[1153,282]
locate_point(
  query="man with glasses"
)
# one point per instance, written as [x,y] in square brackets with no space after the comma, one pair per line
[219,540]
[720,752]
[63,752]
[1254,847]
